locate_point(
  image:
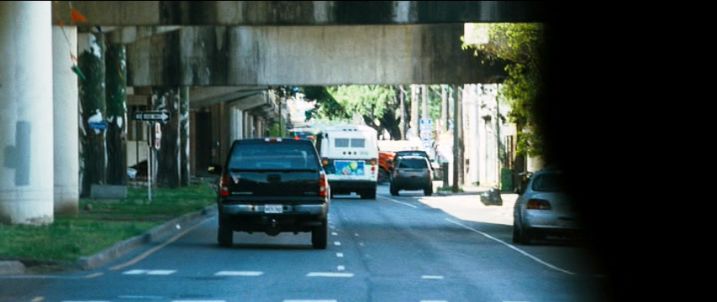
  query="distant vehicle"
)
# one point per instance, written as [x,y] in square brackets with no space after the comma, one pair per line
[272,185]
[385,164]
[304,133]
[349,156]
[412,173]
[543,208]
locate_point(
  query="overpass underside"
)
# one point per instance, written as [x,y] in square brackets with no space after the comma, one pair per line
[215,65]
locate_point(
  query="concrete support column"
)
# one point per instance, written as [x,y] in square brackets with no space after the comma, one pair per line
[184,136]
[168,159]
[93,110]
[26,121]
[116,94]
[65,121]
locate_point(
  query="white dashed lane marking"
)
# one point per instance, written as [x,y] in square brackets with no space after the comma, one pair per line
[330,275]
[149,272]
[340,268]
[340,255]
[309,300]
[239,273]
[334,234]
[337,243]
[432,277]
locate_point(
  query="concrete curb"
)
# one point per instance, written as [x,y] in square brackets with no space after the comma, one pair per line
[121,248]
[11,268]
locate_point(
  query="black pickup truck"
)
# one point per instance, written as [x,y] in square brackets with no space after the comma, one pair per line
[272,185]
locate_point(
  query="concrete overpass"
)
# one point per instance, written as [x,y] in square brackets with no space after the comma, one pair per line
[216,59]
[219,13]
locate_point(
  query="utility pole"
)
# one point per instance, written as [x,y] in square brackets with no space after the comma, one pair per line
[444,108]
[457,139]
[402,110]
[414,110]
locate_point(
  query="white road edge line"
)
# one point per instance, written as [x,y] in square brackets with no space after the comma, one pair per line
[198,301]
[536,259]
[434,301]
[156,248]
[401,202]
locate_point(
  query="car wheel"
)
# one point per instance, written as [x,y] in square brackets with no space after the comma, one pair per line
[428,191]
[225,236]
[520,236]
[319,236]
[394,191]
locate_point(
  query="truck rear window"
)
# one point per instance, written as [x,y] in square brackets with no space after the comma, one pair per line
[274,156]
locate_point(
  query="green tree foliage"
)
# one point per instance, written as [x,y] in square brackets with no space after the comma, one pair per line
[377,105]
[521,44]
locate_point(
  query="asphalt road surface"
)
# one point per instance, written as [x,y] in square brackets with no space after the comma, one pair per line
[402,248]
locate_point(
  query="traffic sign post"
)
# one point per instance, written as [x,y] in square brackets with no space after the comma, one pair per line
[152,120]
[151,116]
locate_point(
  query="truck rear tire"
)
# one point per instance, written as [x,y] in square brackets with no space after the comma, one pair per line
[319,236]
[225,236]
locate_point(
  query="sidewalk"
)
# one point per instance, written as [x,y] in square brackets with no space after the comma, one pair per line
[466,189]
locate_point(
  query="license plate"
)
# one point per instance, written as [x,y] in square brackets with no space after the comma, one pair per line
[273,208]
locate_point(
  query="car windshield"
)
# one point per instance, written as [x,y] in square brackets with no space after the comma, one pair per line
[551,182]
[273,156]
[412,164]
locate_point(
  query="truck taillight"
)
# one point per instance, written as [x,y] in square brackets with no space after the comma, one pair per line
[323,185]
[224,186]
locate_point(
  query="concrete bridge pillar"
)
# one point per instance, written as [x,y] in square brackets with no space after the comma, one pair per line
[26,139]
[65,94]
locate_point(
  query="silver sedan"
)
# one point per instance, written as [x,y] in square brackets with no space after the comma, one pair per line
[543,208]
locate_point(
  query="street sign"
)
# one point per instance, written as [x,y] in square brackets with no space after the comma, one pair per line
[151,116]
[98,125]
[157,136]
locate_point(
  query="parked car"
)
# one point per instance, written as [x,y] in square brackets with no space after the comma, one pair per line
[385,165]
[411,173]
[544,208]
[273,185]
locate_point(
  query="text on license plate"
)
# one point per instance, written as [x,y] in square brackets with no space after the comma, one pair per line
[273,208]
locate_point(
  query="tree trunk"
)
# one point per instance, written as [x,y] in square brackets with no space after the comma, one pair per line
[184,136]
[402,112]
[116,93]
[168,158]
[92,106]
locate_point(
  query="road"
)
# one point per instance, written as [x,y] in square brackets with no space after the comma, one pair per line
[402,248]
